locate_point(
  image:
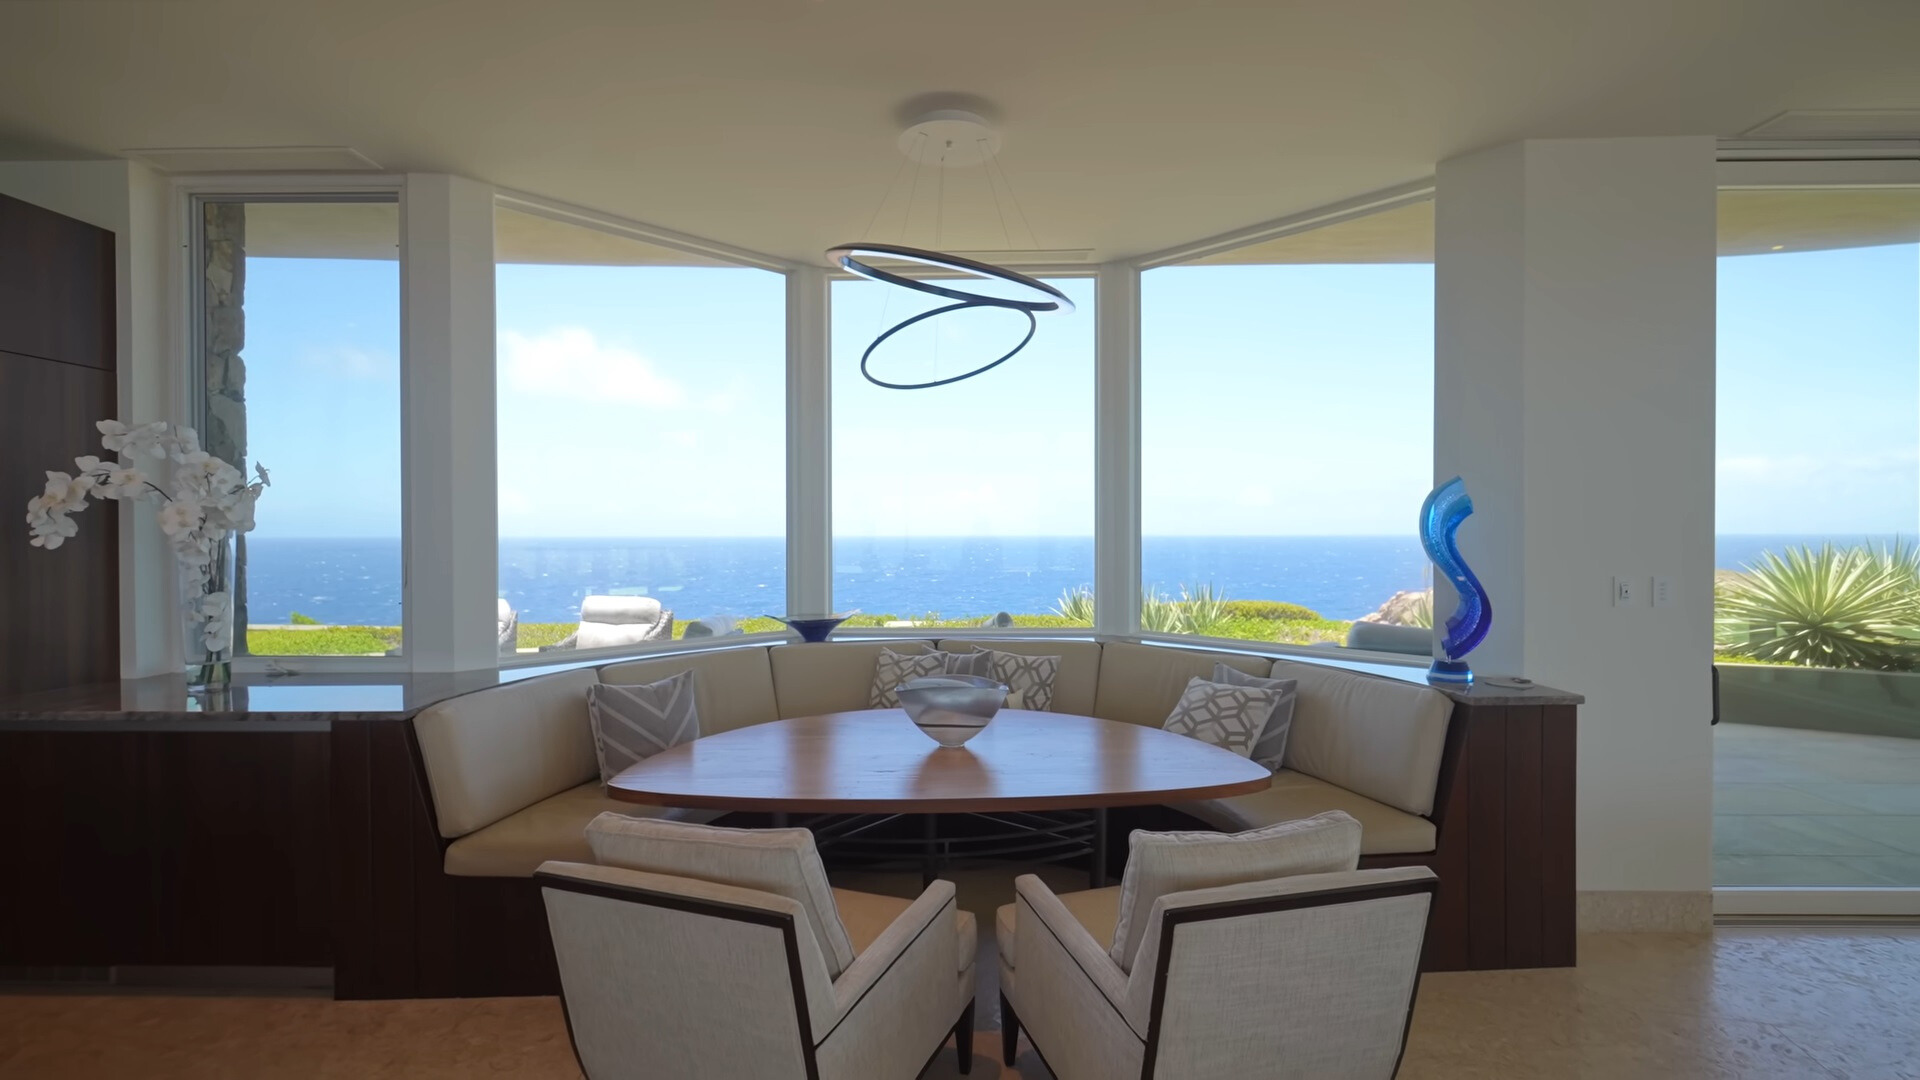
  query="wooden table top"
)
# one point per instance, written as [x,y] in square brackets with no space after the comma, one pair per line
[876,760]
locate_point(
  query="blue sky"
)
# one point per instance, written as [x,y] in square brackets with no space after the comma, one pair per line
[640,401]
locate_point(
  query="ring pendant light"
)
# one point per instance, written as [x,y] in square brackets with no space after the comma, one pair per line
[948,139]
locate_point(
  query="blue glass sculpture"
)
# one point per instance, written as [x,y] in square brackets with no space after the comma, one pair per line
[1440,518]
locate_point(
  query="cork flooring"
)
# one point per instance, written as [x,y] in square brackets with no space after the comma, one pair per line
[1748,1003]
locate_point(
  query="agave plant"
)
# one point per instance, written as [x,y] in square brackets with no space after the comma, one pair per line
[1836,607]
[1161,615]
[1205,610]
[1076,606]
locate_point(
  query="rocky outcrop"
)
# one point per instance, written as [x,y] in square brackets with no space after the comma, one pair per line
[1414,607]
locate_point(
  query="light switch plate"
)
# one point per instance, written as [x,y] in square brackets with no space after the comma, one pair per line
[1624,594]
[1662,592]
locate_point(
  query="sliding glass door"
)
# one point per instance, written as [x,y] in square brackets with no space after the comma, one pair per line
[1817,598]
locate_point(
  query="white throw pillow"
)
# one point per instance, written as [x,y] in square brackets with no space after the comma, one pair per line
[633,723]
[890,669]
[1270,749]
[1229,717]
[1160,864]
[1029,677]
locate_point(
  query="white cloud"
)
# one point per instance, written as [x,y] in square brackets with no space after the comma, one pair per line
[569,361]
[349,362]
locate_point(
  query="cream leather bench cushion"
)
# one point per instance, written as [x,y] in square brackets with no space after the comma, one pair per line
[1379,737]
[497,751]
[811,678]
[553,828]
[1383,829]
[1079,675]
[732,688]
[1141,684]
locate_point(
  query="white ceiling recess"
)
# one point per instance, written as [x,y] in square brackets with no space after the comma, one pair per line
[1129,126]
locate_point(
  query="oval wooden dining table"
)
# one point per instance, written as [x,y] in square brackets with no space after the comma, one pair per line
[874,761]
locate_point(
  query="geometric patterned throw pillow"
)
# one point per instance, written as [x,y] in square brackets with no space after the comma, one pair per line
[1031,677]
[1270,749]
[633,723]
[1229,717]
[890,669]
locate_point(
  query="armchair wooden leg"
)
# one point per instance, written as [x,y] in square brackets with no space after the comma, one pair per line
[1009,1031]
[963,1040]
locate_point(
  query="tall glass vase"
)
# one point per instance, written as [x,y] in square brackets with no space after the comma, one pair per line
[206,611]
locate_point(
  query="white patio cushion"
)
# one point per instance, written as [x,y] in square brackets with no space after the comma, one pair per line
[779,861]
[1380,737]
[1172,862]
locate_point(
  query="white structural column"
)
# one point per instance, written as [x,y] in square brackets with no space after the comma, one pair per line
[447,332]
[1574,391]
[809,445]
[1116,451]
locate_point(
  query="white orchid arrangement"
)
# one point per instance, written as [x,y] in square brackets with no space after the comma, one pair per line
[209,500]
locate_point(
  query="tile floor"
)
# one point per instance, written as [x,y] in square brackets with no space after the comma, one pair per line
[1814,808]
[1759,1003]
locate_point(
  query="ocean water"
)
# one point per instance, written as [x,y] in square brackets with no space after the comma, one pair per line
[358,581]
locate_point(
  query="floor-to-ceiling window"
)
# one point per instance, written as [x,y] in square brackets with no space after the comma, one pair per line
[641,440]
[1817,599]
[1286,436]
[956,504]
[296,301]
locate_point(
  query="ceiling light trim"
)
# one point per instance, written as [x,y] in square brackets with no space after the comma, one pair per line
[572,214]
[271,160]
[1318,218]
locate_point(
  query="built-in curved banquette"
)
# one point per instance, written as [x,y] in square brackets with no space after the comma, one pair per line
[508,779]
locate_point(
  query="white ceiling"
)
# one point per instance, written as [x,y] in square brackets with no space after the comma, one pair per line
[770,124]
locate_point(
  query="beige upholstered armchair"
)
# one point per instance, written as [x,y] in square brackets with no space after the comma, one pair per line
[722,954]
[1303,975]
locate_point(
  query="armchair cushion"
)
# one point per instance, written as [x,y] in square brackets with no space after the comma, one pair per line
[1095,909]
[1163,863]
[778,861]
[868,915]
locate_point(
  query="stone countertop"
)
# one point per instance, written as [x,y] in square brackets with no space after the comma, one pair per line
[312,701]
[304,702]
[1484,690]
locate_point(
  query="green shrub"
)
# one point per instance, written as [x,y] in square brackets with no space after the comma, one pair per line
[1161,615]
[298,619]
[1271,609]
[1856,607]
[327,641]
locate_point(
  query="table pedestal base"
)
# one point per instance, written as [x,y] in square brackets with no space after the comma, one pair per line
[934,842]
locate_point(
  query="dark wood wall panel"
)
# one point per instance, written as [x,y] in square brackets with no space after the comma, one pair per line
[59,610]
[1559,777]
[173,848]
[56,287]
[1524,838]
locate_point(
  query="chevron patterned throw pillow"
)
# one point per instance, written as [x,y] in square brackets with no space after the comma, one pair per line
[633,723]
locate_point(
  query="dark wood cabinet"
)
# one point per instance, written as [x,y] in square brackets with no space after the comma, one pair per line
[59,610]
